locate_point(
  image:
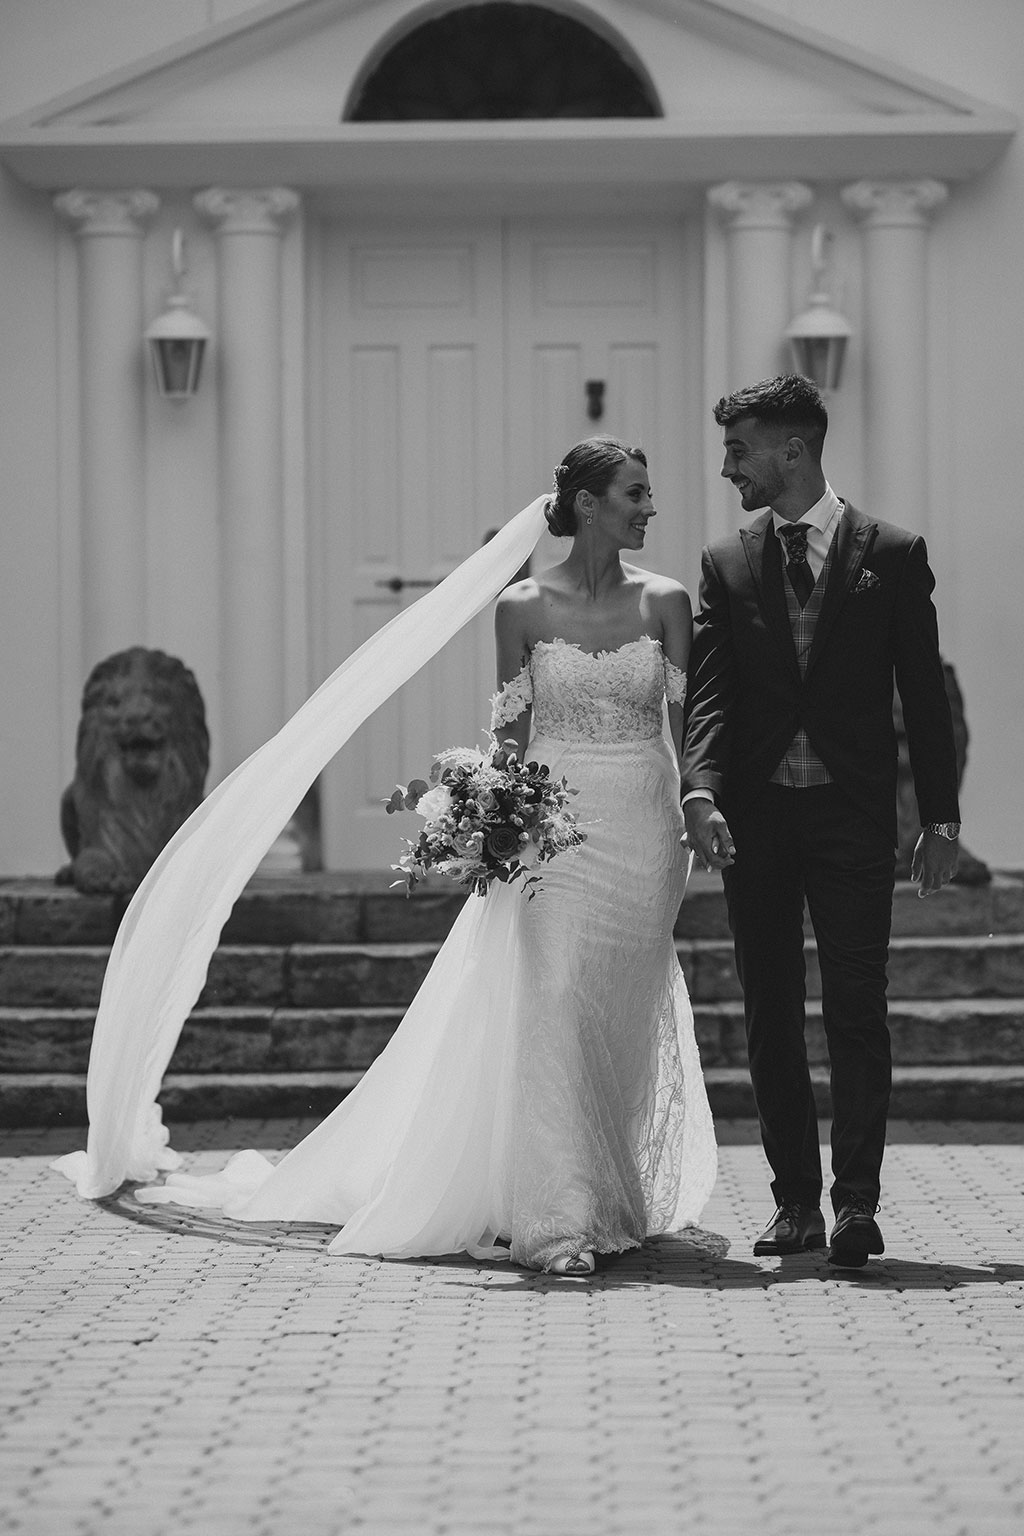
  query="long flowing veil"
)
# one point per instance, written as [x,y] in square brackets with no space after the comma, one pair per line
[160,955]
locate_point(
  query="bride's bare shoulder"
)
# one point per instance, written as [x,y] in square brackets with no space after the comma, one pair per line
[516,613]
[519,596]
[651,581]
[655,587]
[535,592]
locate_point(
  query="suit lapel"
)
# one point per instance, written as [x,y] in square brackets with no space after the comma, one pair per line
[761,548]
[855,537]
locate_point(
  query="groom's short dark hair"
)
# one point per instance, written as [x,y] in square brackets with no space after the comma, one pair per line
[789,402]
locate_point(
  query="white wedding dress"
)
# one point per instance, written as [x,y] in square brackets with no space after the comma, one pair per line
[544,1089]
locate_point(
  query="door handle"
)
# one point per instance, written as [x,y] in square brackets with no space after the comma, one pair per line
[594,390]
[399,583]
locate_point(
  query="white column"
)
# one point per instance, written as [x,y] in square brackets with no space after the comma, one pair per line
[895,219]
[109,228]
[759,227]
[249,225]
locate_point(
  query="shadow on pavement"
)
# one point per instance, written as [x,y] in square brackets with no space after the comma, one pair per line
[696,1261]
[212,1227]
[229,1135]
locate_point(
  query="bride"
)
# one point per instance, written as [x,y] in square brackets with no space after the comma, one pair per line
[611,1135]
[542,1099]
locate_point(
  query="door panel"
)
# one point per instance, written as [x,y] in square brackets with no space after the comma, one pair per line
[456,366]
[600,300]
[414,442]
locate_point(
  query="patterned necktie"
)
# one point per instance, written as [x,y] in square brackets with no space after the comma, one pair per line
[799,572]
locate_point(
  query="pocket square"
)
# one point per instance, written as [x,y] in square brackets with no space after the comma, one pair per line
[868,580]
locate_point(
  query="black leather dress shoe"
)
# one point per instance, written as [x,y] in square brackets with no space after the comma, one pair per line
[793,1229]
[854,1235]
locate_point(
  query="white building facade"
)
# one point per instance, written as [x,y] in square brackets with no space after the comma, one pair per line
[412,319]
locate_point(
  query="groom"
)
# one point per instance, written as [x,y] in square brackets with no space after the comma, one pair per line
[789,783]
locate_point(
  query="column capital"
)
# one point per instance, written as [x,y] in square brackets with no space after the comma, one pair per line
[247,210]
[895,204]
[760,204]
[107,213]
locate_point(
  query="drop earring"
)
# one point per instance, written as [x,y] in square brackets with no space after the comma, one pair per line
[590,520]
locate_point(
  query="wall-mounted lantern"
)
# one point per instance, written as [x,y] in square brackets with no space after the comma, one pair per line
[177,338]
[819,334]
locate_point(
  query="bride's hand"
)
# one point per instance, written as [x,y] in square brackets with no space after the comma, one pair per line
[708,833]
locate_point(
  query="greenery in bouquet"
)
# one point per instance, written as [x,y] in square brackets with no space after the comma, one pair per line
[487,817]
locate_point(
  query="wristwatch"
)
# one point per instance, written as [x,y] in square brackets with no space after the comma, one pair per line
[950,830]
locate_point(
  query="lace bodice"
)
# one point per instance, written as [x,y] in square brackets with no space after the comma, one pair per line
[579,696]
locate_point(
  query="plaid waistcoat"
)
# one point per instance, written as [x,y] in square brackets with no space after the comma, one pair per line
[801,767]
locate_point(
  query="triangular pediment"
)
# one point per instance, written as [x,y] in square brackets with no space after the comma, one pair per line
[282,74]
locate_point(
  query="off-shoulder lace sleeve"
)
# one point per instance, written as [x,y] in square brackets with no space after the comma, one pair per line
[510,701]
[675,683]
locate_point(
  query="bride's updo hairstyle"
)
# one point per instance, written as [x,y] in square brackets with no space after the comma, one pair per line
[589,466]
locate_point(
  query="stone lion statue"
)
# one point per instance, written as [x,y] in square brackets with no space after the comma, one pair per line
[141,761]
[972,870]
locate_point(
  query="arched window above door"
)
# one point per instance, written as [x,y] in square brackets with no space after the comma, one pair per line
[501,60]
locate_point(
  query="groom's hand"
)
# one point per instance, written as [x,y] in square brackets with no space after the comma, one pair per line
[708,834]
[934,863]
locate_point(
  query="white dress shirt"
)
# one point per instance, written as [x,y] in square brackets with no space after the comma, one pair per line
[821,525]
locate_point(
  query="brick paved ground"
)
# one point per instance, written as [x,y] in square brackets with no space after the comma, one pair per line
[156,1382]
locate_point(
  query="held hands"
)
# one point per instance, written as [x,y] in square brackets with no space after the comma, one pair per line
[934,863]
[708,834]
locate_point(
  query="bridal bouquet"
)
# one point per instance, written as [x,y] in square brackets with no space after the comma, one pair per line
[487,817]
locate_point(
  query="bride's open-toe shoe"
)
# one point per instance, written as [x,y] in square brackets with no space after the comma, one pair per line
[578,1265]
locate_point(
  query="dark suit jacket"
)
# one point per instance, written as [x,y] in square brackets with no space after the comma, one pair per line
[746,697]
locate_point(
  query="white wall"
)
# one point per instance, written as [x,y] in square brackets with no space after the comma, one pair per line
[33,755]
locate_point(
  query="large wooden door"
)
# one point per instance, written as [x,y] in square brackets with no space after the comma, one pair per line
[457,360]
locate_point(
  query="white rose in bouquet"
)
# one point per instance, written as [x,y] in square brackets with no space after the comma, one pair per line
[436,803]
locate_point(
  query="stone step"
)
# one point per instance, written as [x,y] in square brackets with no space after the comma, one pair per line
[989,965]
[925,1033]
[985,1031]
[212,1040]
[72,977]
[360,907]
[933,1093]
[314,972]
[371,975]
